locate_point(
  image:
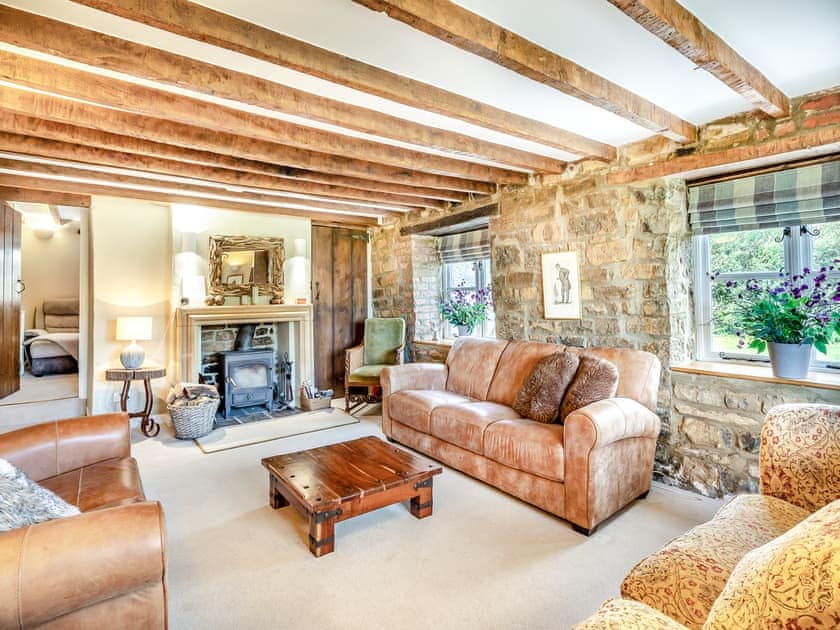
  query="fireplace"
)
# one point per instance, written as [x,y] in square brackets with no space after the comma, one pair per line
[202,334]
[247,379]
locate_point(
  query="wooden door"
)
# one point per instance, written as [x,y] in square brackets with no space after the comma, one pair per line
[339,298]
[9,300]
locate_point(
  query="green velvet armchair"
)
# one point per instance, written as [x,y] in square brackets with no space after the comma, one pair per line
[382,346]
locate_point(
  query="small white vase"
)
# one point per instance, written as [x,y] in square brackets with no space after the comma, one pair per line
[789,360]
[464,331]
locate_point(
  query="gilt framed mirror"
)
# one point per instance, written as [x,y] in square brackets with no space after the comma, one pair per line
[239,263]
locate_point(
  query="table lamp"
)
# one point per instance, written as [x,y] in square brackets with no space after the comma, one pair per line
[133,329]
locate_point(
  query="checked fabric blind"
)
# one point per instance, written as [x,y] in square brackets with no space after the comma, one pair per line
[796,196]
[463,247]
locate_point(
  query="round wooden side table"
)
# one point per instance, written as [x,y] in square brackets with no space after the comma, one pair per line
[148,426]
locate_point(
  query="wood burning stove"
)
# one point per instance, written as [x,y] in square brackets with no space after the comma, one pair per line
[248,378]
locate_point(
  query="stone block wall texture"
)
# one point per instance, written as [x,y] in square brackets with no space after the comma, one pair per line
[627,222]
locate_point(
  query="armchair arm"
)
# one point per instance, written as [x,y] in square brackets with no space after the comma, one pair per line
[408,376]
[49,449]
[354,358]
[73,567]
[413,376]
[798,455]
[609,450]
[627,614]
[606,421]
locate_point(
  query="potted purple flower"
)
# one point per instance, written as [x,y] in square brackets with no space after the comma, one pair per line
[466,308]
[788,317]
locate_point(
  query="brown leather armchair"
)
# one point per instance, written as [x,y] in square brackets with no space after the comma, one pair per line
[105,568]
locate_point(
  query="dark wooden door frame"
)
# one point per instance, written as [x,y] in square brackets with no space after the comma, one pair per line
[339,297]
[9,300]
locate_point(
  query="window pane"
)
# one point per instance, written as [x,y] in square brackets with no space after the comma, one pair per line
[461,272]
[826,244]
[753,250]
[725,320]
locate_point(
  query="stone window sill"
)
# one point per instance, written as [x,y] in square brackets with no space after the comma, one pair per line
[446,343]
[762,373]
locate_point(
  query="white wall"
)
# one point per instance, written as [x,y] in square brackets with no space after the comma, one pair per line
[49,267]
[192,227]
[132,275]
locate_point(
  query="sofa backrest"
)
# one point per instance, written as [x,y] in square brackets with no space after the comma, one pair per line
[638,371]
[471,365]
[515,366]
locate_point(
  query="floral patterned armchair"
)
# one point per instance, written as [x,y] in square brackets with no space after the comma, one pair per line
[766,560]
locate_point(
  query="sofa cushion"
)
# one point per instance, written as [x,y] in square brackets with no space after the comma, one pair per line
[414,407]
[384,336]
[684,578]
[596,379]
[626,614]
[367,374]
[532,447]
[472,363]
[102,485]
[23,502]
[515,366]
[790,582]
[800,454]
[463,425]
[543,391]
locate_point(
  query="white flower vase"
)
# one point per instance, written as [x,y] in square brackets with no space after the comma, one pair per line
[464,331]
[789,360]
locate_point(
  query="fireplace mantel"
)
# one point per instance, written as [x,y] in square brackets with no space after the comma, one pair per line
[189,321]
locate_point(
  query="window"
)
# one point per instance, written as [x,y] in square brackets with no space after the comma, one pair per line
[759,253]
[469,275]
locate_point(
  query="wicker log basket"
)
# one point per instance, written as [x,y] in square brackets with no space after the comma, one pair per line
[193,410]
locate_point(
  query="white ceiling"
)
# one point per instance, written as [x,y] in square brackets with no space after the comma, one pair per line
[794,43]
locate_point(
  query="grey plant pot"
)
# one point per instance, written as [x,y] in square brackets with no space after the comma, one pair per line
[464,331]
[789,360]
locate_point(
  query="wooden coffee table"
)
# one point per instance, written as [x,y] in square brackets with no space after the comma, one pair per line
[336,482]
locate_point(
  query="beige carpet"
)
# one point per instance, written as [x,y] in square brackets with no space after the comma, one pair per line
[225,438]
[482,560]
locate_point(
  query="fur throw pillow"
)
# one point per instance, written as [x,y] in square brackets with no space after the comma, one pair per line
[541,395]
[23,502]
[596,379]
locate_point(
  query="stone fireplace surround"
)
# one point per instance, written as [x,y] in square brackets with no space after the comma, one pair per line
[203,331]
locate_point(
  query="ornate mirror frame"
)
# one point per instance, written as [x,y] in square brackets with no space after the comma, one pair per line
[219,245]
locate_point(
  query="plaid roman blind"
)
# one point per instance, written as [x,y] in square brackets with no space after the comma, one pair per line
[466,246]
[796,196]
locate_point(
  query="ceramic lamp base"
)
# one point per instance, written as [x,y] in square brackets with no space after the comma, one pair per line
[132,357]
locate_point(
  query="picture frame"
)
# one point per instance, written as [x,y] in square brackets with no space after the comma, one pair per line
[235,279]
[561,285]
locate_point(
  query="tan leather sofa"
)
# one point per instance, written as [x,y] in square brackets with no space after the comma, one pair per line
[104,568]
[584,471]
[765,560]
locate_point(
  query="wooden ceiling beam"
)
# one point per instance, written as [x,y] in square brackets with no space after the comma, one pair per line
[26,145]
[24,194]
[683,32]
[107,178]
[34,32]
[469,31]
[144,101]
[175,195]
[71,112]
[225,31]
[36,134]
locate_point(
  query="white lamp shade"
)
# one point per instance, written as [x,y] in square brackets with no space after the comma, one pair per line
[134,328]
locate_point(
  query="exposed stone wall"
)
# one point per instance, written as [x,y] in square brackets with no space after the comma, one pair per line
[717,422]
[628,224]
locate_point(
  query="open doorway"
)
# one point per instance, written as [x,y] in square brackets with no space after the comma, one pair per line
[52,314]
